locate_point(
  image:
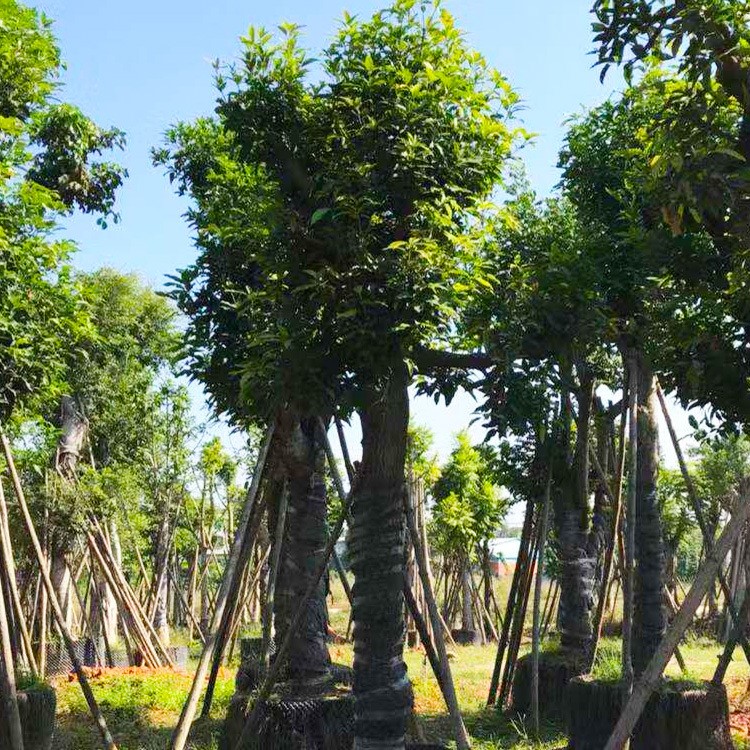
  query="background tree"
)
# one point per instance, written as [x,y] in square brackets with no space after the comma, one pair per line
[467,513]
[372,183]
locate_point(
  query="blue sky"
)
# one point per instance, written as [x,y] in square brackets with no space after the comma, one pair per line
[143,65]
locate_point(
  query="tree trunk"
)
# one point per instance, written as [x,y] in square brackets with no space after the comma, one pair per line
[73,434]
[301,555]
[62,580]
[467,608]
[577,565]
[161,560]
[649,616]
[383,694]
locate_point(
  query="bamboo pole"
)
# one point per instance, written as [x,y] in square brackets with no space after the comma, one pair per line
[653,672]
[181,731]
[421,625]
[341,493]
[726,658]
[535,631]
[228,615]
[344,450]
[672,606]
[484,613]
[461,735]
[152,637]
[107,741]
[43,618]
[136,626]
[8,679]
[628,572]
[10,567]
[188,611]
[520,622]
[548,618]
[510,606]
[146,631]
[698,510]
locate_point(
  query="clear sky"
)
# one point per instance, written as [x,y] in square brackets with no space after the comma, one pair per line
[142,65]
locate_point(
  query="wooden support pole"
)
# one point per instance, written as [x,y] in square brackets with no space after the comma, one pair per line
[181,731]
[615,500]
[233,603]
[519,622]
[10,567]
[125,607]
[342,495]
[550,612]
[107,741]
[127,602]
[726,658]
[459,728]
[345,450]
[698,510]
[510,606]
[152,636]
[188,610]
[421,625]
[536,614]
[653,672]
[628,573]
[672,607]
[8,680]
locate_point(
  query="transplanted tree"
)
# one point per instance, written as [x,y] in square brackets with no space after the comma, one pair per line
[90,444]
[48,167]
[546,330]
[364,189]
[696,151]
[661,285]
[467,513]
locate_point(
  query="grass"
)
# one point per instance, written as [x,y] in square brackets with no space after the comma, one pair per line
[142,706]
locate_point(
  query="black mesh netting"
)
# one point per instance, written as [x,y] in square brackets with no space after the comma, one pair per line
[59,661]
[92,654]
[325,723]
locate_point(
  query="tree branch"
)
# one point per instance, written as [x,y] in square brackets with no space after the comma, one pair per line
[437,359]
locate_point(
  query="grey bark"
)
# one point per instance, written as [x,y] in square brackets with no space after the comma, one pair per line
[161,560]
[467,607]
[577,562]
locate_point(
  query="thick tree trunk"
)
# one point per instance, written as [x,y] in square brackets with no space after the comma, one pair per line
[382,689]
[649,616]
[577,573]
[301,555]
[577,563]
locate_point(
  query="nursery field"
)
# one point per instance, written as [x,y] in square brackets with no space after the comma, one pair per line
[387,312]
[143,705]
